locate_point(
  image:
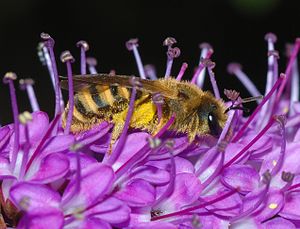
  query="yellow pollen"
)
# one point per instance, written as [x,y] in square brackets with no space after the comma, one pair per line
[285,110]
[274,162]
[273,205]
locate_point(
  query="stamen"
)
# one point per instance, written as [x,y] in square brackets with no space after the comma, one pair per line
[24,118]
[225,132]
[236,69]
[266,98]
[171,54]
[251,143]
[150,71]
[84,46]
[272,76]
[294,81]
[158,101]
[92,63]
[49,44]
[210,66]
[169,190]
[8,79]
[206,52]
[288,177]
[221,146]
[67,58]
[132,45]
[197,74]
[295,186]
[182,71]
[288,69]
[281,119]
[188,210]
[218,169]
[200,69]
[75,149]
[154,142]
[169,41]
[27,85]
[116,153]
[41,54]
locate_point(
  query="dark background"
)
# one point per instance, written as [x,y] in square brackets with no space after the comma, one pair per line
[235,29]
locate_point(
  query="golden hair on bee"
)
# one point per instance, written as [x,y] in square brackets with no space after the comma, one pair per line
[102,97]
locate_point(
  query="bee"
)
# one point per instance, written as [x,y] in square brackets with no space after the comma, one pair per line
[102,97]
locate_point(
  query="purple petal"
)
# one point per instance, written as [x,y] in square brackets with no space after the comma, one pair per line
[291,163]
[151,174]
[37,128]
[96,180]
[5,133]
[278,223]
[265,143]
[111,210]
[246,223]
[291,209]
[137,193]
[94,134]
[154,225]
[242,176]
[232,150]
[272,205]
[53,167]
[59,143]
[42,218]
[182,165]
[180,144]
[208,222]
[85,160]
[209,168]
[186,191]
[88,223]
[134,142]
[5,169]
[30,196]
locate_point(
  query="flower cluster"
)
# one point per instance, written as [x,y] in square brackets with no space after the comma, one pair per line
[248,177]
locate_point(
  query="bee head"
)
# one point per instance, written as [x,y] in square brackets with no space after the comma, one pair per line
[211,115]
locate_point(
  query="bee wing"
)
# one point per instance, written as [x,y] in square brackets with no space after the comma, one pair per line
[81,82]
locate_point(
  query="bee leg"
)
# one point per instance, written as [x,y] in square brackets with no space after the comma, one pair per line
[117,130]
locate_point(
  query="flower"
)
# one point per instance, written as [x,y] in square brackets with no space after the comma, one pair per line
[246,177]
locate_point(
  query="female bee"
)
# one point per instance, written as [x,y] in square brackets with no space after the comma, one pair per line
[103,97]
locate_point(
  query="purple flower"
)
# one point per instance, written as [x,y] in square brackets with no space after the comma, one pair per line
[248,177]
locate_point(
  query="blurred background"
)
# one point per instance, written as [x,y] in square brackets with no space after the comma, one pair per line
[235,29]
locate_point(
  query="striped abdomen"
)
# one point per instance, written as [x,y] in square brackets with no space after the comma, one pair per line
[97,103]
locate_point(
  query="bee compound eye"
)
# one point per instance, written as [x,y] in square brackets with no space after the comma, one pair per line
[213,124]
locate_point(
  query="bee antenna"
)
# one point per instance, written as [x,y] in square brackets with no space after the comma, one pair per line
[245,100]
[252,99]
[245,109]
